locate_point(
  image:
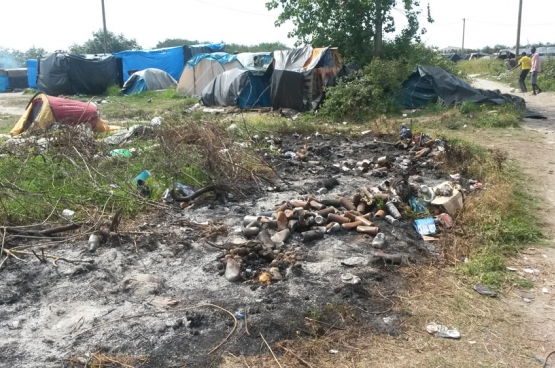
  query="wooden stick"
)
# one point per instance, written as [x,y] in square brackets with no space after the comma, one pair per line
[304,362]
[269,348]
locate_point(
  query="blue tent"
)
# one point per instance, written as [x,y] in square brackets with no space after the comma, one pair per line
[32,73]
[169,60]
[148,79]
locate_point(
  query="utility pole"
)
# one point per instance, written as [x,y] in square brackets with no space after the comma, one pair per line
[464,26]
[518,30]
[105,32]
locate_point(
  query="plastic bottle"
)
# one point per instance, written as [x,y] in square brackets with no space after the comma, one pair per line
[379,240]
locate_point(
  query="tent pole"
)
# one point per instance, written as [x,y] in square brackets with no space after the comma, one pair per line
[105,32]
[464,29]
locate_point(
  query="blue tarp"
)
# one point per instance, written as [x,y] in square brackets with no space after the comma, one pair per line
[169,60]
[3,82]
[32,73]
[192,50]
[220,57]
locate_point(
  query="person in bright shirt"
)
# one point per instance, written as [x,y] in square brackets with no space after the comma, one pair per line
[535,69]
[525,65]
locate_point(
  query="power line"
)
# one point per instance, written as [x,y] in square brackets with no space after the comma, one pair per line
[510,25]
[237,10]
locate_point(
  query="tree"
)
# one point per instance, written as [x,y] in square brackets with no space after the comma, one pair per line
[172,42]
[352,25]
[95,45]
[261,47]
[12,58]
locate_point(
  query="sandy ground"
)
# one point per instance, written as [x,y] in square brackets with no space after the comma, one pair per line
[534,150]
[13,103]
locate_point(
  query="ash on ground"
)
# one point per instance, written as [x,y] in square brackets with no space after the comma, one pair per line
[56,316]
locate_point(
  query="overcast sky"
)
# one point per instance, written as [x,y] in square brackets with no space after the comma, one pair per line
[56,24]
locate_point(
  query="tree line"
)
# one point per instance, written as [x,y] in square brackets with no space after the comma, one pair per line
[12,58]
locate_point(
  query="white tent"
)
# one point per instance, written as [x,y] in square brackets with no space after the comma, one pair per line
[202,69]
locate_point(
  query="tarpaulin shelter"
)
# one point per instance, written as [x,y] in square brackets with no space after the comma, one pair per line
[428,83]
[69,74]
[207,48]
[255,59]
[32,72]
[44,110]
[149,79]
[202,69]
[244,88]
[13,78]
[168,59]
[299,76]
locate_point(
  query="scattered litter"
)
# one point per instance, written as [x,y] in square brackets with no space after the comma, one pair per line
[512,269]
[239,315]
[440,330]
[157,121]
[145,174]
[425,226]
[527,300]
[69,214]
[472,342]
[94,242]
[532,271]
[545,290]
[120,152]
[332,351]
[484,290]
[349,278]
[389,319]
[162,302]
[405,133]
[366,132]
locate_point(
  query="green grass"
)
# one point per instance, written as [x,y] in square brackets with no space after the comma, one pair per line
[496,70]
[501,220]
[7,122]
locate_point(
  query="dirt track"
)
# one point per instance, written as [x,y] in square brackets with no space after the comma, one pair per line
[534,151]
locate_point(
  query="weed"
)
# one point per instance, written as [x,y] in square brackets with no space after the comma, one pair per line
[114,90]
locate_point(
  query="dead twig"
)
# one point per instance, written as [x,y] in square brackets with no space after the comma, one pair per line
[55,259]
[547,358]
[171,311]
[43,233]
[301,360]
[269,348]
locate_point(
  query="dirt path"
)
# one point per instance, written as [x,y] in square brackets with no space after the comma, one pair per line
[13,103]
[533,148]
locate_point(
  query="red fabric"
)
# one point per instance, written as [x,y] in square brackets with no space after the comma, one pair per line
[73,112]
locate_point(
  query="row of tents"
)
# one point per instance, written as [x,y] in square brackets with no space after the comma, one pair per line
[281,79]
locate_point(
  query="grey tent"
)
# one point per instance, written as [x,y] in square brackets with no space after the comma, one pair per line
[149,79]
[244,88]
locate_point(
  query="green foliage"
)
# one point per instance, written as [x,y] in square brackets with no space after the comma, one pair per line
[261,47]
[367,95]
[12,58]
[95,45]
[230,47]
[114,90]
[492,67]
[172,42]
[356,26]
[369,92]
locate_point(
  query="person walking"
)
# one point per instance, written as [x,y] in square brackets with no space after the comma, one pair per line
[535,69]
[525,64]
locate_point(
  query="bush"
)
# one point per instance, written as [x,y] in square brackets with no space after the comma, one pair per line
[366,94]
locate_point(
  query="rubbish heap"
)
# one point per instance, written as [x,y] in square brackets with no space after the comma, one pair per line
[401,198]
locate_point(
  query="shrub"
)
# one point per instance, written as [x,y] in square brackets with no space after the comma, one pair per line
[366,94]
